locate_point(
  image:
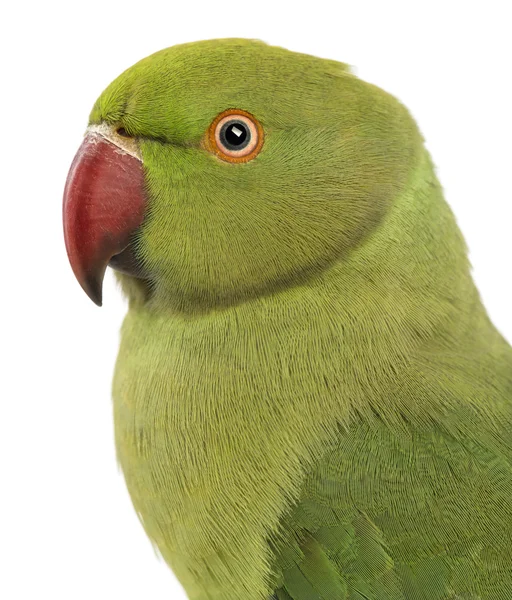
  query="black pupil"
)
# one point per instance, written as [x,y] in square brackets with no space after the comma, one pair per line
[235,135]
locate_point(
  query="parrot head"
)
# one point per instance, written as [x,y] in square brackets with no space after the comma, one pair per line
[219,170]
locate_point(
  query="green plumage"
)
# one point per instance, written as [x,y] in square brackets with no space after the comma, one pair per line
[310,400]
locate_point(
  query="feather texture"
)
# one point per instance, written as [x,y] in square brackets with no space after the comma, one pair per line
[310,400]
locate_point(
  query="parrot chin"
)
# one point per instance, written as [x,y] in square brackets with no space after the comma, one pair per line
[104,205]
[126,262]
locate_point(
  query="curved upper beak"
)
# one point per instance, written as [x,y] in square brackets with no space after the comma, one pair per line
[104,203]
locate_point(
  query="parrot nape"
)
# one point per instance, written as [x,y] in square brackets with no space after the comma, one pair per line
[310,400]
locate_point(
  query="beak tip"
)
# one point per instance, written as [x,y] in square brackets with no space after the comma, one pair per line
[93,288]
[91,283]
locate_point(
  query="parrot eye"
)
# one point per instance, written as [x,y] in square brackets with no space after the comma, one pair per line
[235,136]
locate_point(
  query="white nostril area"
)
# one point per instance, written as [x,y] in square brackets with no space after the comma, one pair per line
[125,143]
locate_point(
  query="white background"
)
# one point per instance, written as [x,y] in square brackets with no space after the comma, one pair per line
[67,528]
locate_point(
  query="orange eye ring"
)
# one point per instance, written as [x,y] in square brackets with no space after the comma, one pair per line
[239,127]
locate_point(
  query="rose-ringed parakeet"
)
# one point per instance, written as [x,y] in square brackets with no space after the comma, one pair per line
[310,401]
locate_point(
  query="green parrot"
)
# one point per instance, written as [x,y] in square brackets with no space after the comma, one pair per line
[310,400]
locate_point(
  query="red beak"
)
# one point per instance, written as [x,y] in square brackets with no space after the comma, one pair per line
[104,203]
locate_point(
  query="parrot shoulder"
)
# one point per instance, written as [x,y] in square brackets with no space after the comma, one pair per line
[355,534]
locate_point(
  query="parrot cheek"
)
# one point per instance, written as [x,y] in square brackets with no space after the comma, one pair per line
[104,204]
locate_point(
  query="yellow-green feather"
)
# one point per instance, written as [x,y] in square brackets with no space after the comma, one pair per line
[310,400]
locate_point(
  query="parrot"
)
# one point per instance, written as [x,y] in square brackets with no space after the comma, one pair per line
[310,401]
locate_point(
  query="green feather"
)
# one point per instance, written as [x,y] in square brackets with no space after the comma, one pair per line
[310,400]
